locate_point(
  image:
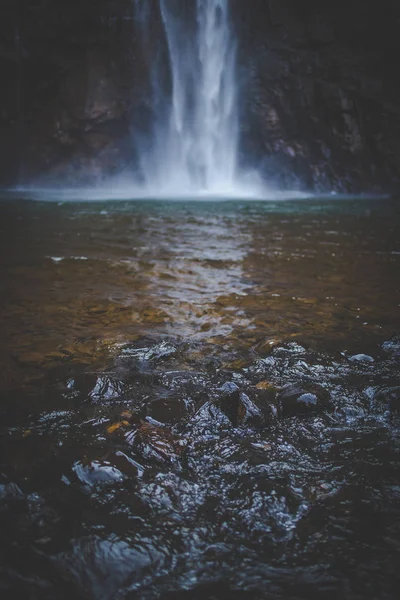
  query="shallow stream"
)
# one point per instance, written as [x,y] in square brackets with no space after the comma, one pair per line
[200,400]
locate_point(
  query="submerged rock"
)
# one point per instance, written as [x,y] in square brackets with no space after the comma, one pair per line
[302,400]
[107,388]
[154,353]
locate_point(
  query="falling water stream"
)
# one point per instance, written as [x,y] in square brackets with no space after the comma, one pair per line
[193,145]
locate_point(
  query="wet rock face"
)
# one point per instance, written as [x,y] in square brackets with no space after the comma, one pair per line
[64,113]
[320,96]
[322,106]
[86,125]
[298,400]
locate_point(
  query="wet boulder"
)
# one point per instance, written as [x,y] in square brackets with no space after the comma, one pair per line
[361,358]
[208,421]
[238,407]
[98,468]
[155,442]
[125,464]
[386,399]
[102,566]
[107,389]
[93,473]
[9,491]
[300,399]
[167,410]
[392,346]
[153,353]
[82,386]
[266,393]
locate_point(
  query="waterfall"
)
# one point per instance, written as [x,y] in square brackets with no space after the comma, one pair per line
[192,143]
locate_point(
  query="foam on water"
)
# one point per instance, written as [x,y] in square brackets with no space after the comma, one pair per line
[112,191]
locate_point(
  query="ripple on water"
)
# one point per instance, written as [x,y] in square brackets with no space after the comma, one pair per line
[161,439]
[280,462]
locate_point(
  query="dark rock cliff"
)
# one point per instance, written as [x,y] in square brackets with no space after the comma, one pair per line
[323,107]
[319,84]
[67,75]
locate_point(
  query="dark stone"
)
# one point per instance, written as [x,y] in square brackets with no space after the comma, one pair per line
[209,420]
[167,410]
[361,358]
[321,109]
[10,491]
[301,400]
[387,399]
[155,442]
[97,473]
[265,398]
[392,347]
[238,407]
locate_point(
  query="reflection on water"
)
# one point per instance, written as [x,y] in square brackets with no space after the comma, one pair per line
[200,399]
[78,279]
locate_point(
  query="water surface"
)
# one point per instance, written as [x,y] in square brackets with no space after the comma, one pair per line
[200,399]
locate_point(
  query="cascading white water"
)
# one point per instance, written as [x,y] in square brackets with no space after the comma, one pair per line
[193,146]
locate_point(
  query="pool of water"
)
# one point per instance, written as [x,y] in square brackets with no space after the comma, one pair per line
[200,399]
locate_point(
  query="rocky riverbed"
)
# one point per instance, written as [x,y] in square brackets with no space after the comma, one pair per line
[200,400]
